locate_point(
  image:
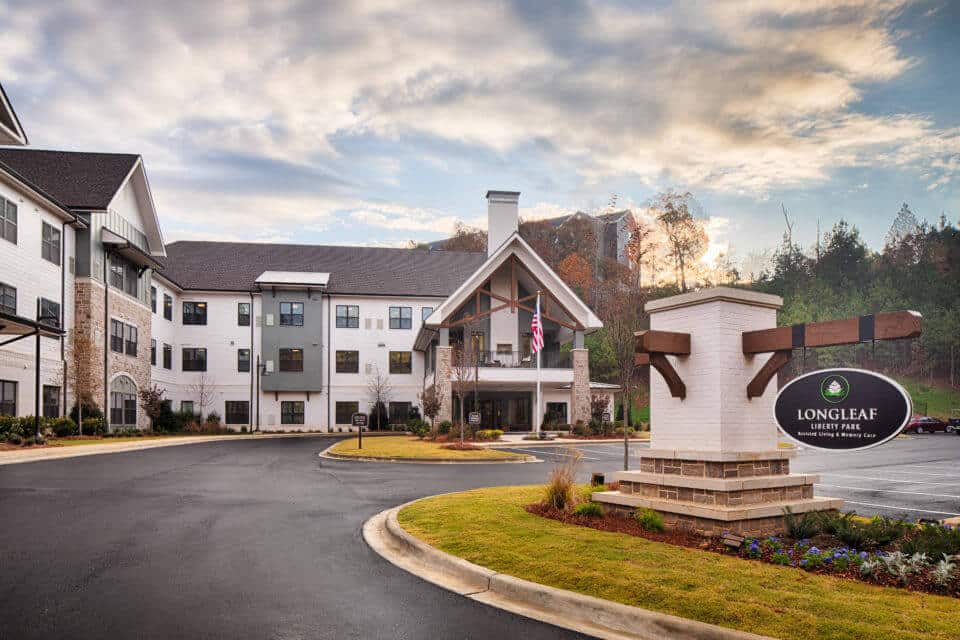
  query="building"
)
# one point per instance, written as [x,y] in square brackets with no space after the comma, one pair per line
[269,336]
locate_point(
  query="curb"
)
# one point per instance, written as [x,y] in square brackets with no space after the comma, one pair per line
[561,608]
[330,455]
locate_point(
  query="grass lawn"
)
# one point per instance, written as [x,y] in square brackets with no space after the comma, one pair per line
[490,527]
[408,447]
[942,402]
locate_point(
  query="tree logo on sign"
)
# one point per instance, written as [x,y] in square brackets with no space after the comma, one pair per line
[834,389]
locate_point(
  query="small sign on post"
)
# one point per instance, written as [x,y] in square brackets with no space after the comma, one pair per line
[359,420]
[606,417]
[473,418]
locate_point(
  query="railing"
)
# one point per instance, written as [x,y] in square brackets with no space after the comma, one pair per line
[522,360]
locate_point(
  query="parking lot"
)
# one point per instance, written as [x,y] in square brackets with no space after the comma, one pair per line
[911,477]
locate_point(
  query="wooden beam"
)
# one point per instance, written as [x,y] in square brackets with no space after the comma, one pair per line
[883,326]
[513,283]
[677,388]
[482,314]
[672,342]
[641,359]
[777,361]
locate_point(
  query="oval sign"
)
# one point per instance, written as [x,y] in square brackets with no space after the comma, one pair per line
[842,409]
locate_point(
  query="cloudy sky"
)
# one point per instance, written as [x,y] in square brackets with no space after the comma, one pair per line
[376,122]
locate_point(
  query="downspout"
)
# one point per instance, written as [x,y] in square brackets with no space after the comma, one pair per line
[63,300]
[329,355]
[252,322]
[106,335]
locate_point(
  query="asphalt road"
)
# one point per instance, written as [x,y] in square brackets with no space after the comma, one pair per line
[250,539]
[911,477]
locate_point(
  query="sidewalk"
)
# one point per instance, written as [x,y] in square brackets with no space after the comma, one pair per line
[30,454]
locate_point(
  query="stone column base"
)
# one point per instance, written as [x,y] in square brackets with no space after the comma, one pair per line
[712,492]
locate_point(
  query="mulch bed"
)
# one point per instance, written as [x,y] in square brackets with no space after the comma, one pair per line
[466,446]
[621,524]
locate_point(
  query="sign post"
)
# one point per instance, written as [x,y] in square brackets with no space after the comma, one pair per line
[359,420]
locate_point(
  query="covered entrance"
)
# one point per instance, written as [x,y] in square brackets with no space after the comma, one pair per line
[506,410]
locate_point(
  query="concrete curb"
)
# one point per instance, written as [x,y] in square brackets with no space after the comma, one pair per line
[330,455]
[566,609]
[62,453]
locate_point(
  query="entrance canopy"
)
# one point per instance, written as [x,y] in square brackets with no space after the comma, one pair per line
[13,325]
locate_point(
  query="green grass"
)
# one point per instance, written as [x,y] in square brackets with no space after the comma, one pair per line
[942,402]
[407,447]
[490,527]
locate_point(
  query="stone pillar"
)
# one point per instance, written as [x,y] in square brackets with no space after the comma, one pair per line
[580,390]
[442,384]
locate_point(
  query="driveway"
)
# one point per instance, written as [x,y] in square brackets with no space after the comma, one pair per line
[248,539]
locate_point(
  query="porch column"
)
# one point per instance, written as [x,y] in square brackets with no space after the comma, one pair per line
[580,390]
[442,385]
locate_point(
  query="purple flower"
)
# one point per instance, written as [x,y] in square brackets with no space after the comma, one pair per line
[864,555]
[814,550]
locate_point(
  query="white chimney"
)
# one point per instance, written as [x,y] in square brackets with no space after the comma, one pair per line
[502,217]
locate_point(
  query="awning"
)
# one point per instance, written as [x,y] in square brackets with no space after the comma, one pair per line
[424,337]
[126,249]
[597,386]
[293,279]
[13,325]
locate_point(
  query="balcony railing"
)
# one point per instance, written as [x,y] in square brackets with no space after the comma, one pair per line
[521,360]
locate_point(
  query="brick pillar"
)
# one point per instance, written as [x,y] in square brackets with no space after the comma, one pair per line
[580,391]
[442,384]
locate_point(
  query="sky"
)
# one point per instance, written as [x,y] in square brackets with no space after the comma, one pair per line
[367,122]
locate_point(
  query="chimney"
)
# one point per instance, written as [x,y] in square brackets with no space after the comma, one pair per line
[502,217]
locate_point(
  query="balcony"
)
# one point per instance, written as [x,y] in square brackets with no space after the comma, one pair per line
[522,360]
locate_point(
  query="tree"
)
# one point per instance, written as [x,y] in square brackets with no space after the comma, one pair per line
[639,246]
[463,369]
[541,235]
[904,225]
[686,236]
[430,403]
[577,272]
[379,388]
[82,376]
[466,238]
[203,389]
[151,399]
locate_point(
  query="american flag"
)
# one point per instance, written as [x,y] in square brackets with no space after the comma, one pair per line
[536,327]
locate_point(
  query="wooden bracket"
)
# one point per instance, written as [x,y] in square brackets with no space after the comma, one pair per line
[777,361]
[652,347]
[677,388]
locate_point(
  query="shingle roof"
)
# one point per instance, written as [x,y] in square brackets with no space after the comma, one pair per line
[234,266]
[79,180]
[9,117]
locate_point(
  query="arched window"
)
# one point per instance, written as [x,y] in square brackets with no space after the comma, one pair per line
[123,402]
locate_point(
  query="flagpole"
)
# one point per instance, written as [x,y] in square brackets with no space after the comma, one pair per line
[538,417]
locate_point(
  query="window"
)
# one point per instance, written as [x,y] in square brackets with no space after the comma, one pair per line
[556,413]
[237,412]
[345,411]
[194,313]
[348,316]
[116,336]
[291,359]
[194,359]
[186,406]
[124,275]
[8,299]
[243,314]
[116,273]
[504,348]
[348,362]
[401,317]
[167,356]
[51,401]
[291,314]
[400,412]
[8,397]
[50,243]
[243,360]
[8,221]
[153,352]
[291,412]
[153,299]
[123,402]
[401,362]
[425,313]
[49,313]
[130,338]
[167,307]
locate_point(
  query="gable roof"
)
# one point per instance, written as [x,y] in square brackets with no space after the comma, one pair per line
[10,130]
[235,266]
[80,180]
[516,245]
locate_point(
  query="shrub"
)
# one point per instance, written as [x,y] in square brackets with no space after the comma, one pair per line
[560,492]
[93,426]
[489,434]
[591,509]
[15,438]
[903,566]
[934,540]
[90,410]
[213,418]
[649,520]
[63,427]
[801,527]
[444,427]
[580,429]
[943,571]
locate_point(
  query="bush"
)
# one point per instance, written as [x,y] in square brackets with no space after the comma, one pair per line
[489,434]
[444,427]
[934,540]
[560,491]
[591,509]
[15,438]
[379,416]
[93,426]
[580,429]
[90,410]
[213,418]
[649,520]
[63,427]
[801,527]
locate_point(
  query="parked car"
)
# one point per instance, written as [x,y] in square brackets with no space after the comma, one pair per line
[925,424]
[953,426]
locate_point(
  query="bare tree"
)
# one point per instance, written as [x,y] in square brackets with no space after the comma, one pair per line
[81,375]
[463,367]
[430,403]
[151,399]
[378,386]
[640,245]
[622,319]
[686,235]
[203,389]
[466,238]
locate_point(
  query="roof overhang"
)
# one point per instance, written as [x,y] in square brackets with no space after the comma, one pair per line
[7,174]
[126,249]
[148,208]
[293,279]
[529,259]
[425,337]
[14,325]
[15,135]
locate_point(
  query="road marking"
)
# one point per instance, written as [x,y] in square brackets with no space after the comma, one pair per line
[916,493]
[920,473]
[840,475]
[552,453]
[887,506]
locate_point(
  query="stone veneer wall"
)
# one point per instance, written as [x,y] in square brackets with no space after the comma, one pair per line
[708,469]
[89,300]
[580,390]
[443,385]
